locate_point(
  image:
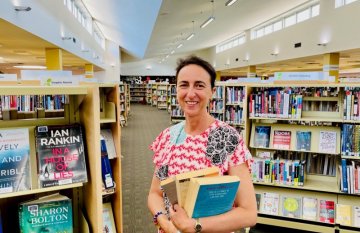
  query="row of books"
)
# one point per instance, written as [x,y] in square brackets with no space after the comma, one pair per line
[351,103]
[349,171]
[26,103]
[309,208]
[275,103]
[60,157]
[284,172]
[234,115]
[218,94]
[235,95]
[177,112]
[282,139]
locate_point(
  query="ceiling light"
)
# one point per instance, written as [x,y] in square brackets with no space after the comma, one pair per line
[209,20]
[22,8]
[230,2]
[30,67]
[190,36]
[179,46]
[172,52]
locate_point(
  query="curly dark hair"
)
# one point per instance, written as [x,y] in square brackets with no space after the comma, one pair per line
[195,60]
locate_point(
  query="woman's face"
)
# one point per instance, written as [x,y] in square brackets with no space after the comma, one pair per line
[193,90]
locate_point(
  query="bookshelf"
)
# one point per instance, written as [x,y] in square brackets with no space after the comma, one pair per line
[137,92]
[321,111]
[162,95]
[176,114]
[123,105]
[82,107]
[148,93]
[154,95]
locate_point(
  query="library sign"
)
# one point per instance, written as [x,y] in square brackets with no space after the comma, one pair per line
[50,77]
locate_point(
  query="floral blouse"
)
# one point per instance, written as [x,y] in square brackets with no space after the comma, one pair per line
[176,152]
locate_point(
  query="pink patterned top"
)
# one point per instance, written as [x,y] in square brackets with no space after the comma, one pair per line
[176,152]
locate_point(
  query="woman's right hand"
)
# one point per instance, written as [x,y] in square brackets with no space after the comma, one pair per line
[169,228]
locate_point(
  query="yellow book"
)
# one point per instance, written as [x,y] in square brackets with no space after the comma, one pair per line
[209,196]
[343,214]
[179,184]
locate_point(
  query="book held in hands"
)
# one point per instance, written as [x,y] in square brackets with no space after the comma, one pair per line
[209,196]
[52,213]
[60,155]
[14,160]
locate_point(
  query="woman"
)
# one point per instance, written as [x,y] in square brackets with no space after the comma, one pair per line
[198,142]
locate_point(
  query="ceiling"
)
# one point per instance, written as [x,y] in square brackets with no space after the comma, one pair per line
[19,47]
[173,22]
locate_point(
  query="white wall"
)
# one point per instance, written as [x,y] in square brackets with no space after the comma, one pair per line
[339,27]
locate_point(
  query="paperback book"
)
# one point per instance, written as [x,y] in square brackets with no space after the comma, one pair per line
[262,136]
[52,213]
[270,203]
[108,219]
[109,140]
[291,207]
[209,196]
[282,139]
[60,155]
[176,188]
[310,208]
[327,211]
[14,160]
[106,171]
[343,214]
[327,142]
[303,140]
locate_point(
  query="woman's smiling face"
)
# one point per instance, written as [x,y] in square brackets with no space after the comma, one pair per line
[193,90]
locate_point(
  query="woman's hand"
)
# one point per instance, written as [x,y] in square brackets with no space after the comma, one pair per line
[180,219]
[169,228]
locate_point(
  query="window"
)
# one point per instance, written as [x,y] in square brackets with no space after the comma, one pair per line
[339,3]
[277,26]
[315,10]
[290,20]
[233,42]
[303,15]
[268,29]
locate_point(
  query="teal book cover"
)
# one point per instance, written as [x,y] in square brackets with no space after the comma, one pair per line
[50,214]
[214,197]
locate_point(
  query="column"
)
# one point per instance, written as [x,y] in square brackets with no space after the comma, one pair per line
[251,71]
[53,59]
[89,70]
[331,65]
[218,76]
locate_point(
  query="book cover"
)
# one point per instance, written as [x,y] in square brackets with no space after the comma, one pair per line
[108,219]
[106,171]
[52,213]
[262,136]
[310,208]
[327,142]
[183,179]
[258,201]
[343,214]
[209,196]
[326,211]
[303,140]
[291,206]
[169,187]
[109,140]
[60,155]
[282,139]
[270,203]
[14,160]
[356,216]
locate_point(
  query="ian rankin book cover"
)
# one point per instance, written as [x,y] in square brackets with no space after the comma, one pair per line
[60,155]
[14,160]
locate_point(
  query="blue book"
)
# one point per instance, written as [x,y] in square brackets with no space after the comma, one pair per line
[303,140]
[344,177]
[209,196]
[106,171]
[262,136]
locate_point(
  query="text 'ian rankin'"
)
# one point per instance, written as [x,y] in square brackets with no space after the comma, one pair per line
[50,215]
[59,137]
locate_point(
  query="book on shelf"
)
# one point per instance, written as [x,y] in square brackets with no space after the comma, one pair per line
[343,214]
[292,206]
[106,171]
[109,140]
[262,136]
[258,201]
[15,160]
[176,187]
[310,208]
[209,196]
[51,213]
[327,142]
[60,155]
[270,203]
[303,140]
[326,211]
[356,216]
[108,218]
[282,139]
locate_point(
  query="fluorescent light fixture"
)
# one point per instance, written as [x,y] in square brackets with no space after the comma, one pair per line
[190,36]
[179,46]
[172,52]
[230,2]
[22,8]
[209,20]
[31,67]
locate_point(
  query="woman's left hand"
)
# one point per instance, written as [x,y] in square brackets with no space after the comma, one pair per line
[180,219]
